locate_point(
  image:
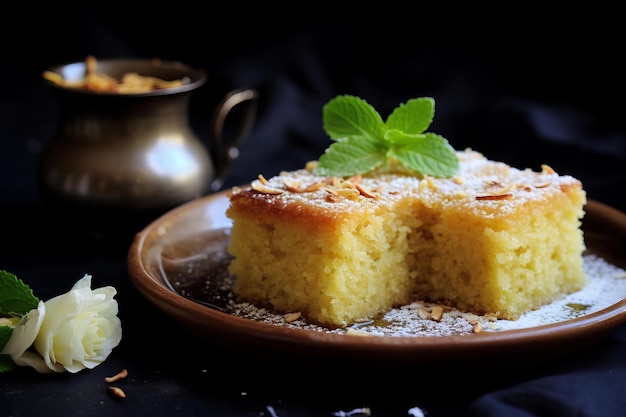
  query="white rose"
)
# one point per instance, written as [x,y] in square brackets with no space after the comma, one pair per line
[23,337]
[71,332]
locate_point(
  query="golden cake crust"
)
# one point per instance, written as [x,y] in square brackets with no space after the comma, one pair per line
[312,235]
[483,187]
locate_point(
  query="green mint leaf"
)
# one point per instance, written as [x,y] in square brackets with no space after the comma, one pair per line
[427,153]
[349,116]
[413,117]
[351,156]
[6,364]
[16,298]
[363,142]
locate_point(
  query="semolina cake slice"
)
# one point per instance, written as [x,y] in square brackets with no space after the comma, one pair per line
[492,239]
[332,258]
[501,242]
[391,214]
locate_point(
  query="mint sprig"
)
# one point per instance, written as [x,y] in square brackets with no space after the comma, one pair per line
[6,364]
[16,299]
[364,142]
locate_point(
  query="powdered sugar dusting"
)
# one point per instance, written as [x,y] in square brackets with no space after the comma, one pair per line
[606,287]
[477,187]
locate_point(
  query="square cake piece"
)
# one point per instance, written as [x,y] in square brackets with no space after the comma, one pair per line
[492,239]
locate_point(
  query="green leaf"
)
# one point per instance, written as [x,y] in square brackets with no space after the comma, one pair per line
[429,153]
[351,156]
[349,116]
[413,117]
[6,364]
[363,142]
[16,298]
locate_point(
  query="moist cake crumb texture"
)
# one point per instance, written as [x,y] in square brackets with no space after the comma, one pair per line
[493,240]
[606,286]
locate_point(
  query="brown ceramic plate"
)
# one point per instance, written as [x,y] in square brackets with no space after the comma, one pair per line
[186,248]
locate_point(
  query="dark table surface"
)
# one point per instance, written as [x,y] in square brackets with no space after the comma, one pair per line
[544,97]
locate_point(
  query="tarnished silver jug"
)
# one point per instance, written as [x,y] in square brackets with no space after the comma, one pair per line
[117,161]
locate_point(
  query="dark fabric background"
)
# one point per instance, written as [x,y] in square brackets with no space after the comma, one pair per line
[516,84]
[526,90]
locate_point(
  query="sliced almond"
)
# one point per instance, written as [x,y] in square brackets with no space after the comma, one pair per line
[350,193]
[313,187]
[423,313]
[310,165]
[494,197]
[355,179]
[120,375]
[365,192]
[353,332]
[543,184]
[116,392]
[292,186]
[292,316]
[437,313]
[259,186]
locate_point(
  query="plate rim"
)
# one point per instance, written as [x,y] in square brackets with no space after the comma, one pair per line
[224,329]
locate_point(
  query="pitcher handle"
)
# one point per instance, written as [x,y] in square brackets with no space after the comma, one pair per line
[226,151]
